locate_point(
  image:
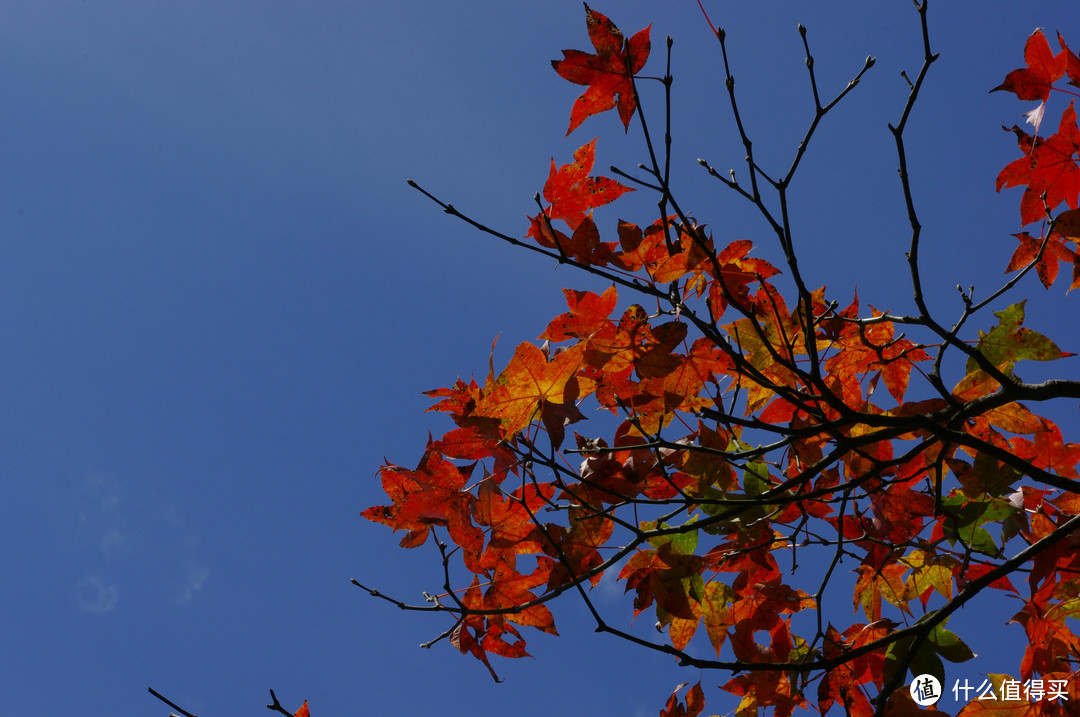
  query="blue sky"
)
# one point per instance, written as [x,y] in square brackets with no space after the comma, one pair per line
[219,303]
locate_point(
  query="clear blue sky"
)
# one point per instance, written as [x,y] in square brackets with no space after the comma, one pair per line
[219,303]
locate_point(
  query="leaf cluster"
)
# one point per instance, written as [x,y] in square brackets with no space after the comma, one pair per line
[755,427]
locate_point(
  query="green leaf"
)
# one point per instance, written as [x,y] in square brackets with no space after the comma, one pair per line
[756,478]
[985,477]
[895,651]
[1009,342]
[684,543]
[925,661]
[949,646]
[966,518]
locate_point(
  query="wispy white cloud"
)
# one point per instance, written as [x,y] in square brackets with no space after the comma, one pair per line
[609,589]
[93,595]
[185,542]
[119,527]
[196,576]
[113,540]
[100,515]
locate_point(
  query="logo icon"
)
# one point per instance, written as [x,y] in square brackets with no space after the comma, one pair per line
[925,690]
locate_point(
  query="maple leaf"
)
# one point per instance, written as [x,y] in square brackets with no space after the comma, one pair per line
[670,574]
[1051,643]
[466,633]
[842,684]
[695,703]
[1067,225]
[986,477]
[714,612]
[976,571]
[471,442]
[875,349]
[1048,450]
[638,344]
[899,513]
[512,529]
[457,400]
[509,588]
[1009,341]
[1044,68]
[609,73]
[873,585]
[303,711]
[576,547]
[1049,167]
[769,341]
[683,388]
[588,315]
[1072,62]
[641,249]
[430,495]
[977,383]
[573,194]
[1053,252]
[528,381]
[765,688]
[584,246]
[692,254]
[845,684]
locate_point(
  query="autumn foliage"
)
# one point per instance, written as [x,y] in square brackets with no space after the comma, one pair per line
[755,419]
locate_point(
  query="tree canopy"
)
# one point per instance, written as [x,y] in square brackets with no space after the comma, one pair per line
[752,438]
[749,428]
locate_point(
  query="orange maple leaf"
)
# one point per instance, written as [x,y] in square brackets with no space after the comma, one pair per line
[529,381]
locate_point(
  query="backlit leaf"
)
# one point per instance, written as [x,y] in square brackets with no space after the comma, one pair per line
[1044,68]
[1009,341]
[607,73]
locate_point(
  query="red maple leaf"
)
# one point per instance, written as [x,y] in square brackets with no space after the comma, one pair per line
[1067,225]
[1047,267]
[765,688]
[609,73]
[1049,451]
[844,684]
[1072,62]
[661,575]
[588,315]
[510,520]
[1049,166]
[573,193]
[1044,68]
[584,246]
[507,590]
[695,703]
[430,495]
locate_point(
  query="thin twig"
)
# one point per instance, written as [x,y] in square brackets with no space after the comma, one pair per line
[172,704]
